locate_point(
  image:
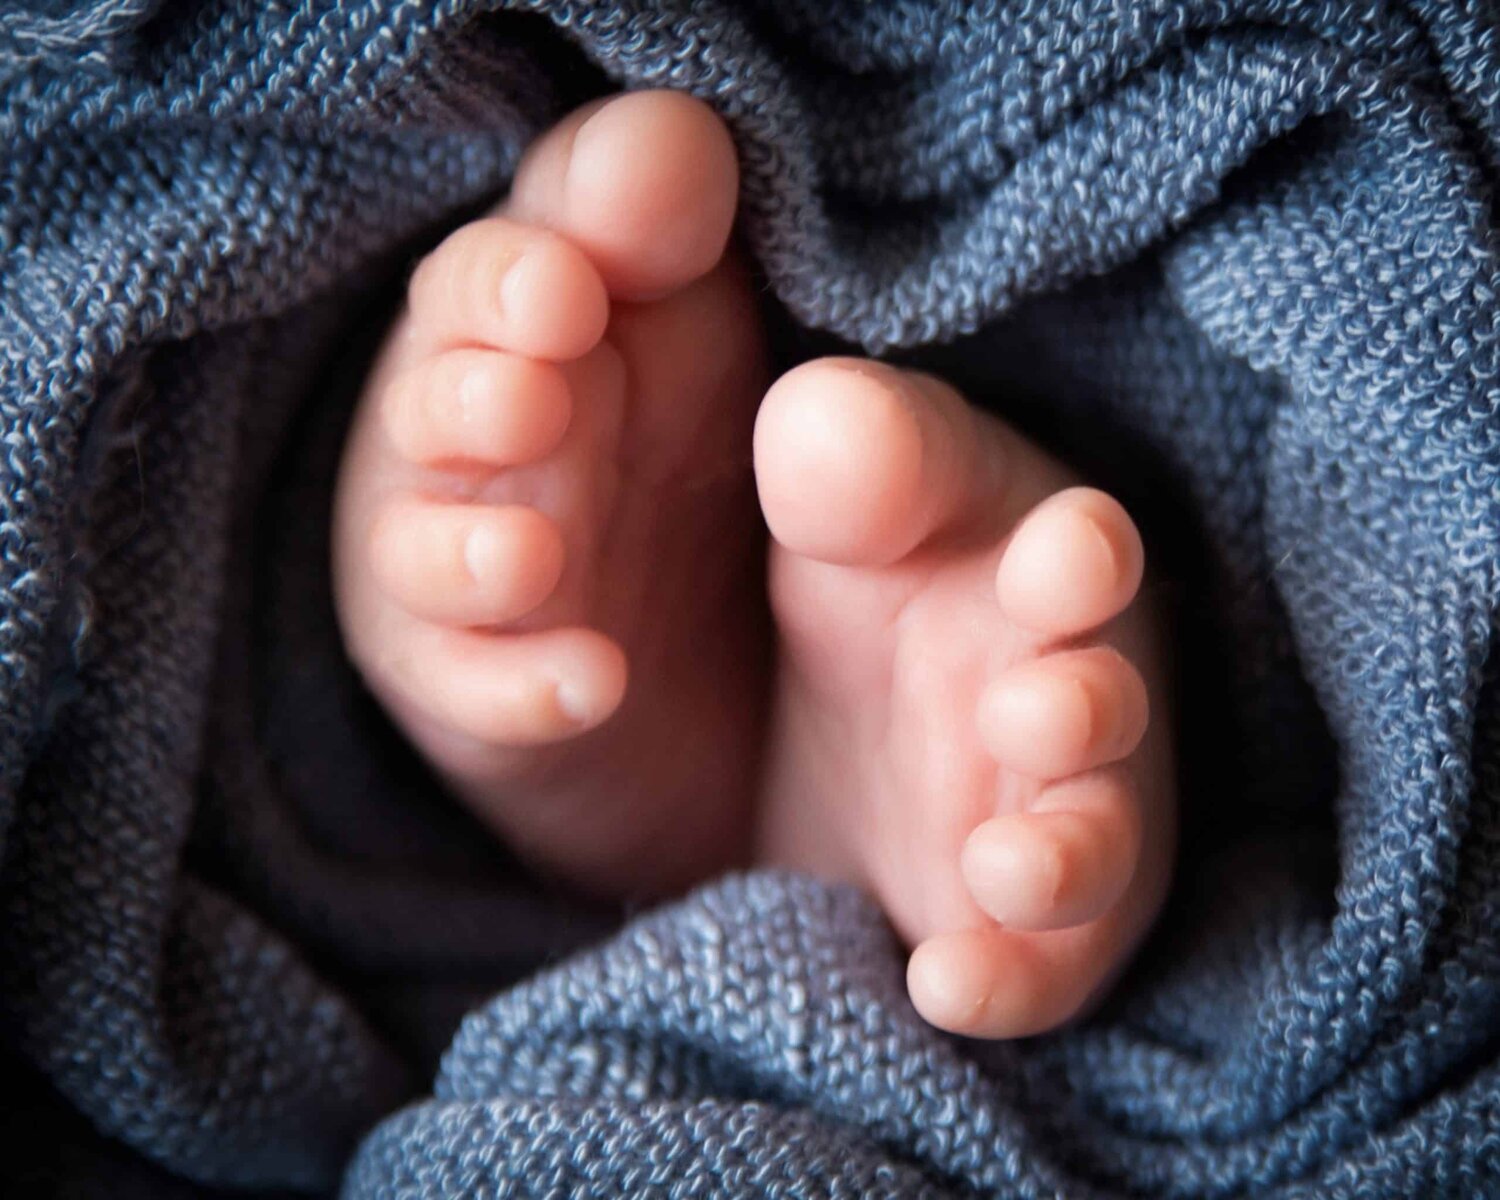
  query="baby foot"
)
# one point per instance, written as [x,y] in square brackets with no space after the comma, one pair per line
[961,719]
[548,486]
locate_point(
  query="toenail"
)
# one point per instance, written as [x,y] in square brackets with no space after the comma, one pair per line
[1086,708]
[515,284]
[1080,701]
[588,121]
[473,393]
[1101,535]
[481,554]
[572,702]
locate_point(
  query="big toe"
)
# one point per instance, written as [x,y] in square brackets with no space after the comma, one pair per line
[644,183]
[859,463]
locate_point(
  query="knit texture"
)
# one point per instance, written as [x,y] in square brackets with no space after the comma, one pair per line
[1237,255]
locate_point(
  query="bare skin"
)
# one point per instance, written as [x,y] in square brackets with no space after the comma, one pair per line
[549,488]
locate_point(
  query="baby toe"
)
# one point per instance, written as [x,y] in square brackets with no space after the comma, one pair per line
[645,183]
[465,564]
[509,690]
[477,406]
[858,463]
[507,286]
[996,983]
[1064,713]
[1065,861]
[1074,562]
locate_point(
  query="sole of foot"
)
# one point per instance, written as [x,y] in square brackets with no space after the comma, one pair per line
[963,714]
[547,556]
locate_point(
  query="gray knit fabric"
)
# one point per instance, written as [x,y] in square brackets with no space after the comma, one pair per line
[1235,257]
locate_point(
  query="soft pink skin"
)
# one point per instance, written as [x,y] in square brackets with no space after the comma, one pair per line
[548,487]
[962,715]
[503,557]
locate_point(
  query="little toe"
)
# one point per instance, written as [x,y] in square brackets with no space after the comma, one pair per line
[508,690]
[858,463]
[997,983]
[1074,562]
[1064,713]
[645,183]
[1065,861]
[507,286]
[465,564]
[478,406]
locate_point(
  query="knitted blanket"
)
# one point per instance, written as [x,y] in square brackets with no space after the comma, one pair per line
[1239,256]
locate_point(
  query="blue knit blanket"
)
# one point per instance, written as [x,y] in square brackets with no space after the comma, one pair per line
[1238,255]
